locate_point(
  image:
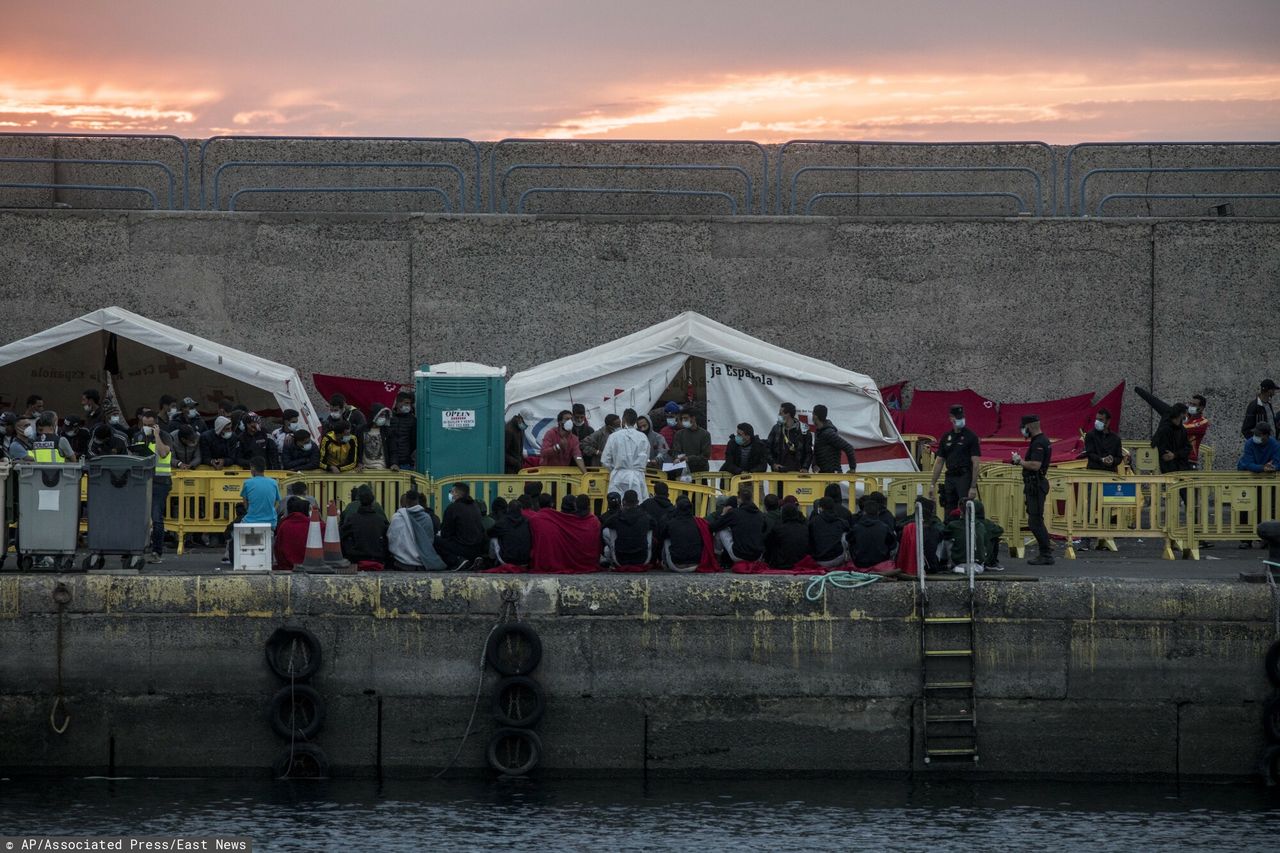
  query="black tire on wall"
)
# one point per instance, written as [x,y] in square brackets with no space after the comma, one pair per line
[297,712]
[293,653]
[302,761]
[1273,663]
[514,649]
[518,702]
[514,752]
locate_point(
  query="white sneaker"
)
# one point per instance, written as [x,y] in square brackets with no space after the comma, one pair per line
[959,569]
[977,568]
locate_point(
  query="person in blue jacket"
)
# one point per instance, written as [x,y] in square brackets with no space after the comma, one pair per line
[1261,453]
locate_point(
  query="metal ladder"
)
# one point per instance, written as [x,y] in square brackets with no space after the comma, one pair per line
[947,666]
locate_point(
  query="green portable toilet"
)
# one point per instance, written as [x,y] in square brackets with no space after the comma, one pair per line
[460,409]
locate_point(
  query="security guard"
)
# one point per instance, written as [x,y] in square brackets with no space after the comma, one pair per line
[1035,485]
[960,451]
[46,445]
[151,440]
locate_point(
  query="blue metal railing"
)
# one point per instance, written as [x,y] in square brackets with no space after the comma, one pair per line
[155,202]
[237,164]
[436,140]
[1164,170]
[502,184]
[1072,151]
[764,157]
[1035,179]
[1215,196]
[155,164]
[1022,203]
[165,137]
[733,204]
[444,196]
[1043,146]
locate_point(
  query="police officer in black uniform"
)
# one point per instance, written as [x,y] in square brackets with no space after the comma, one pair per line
[1035,485]
[960,451]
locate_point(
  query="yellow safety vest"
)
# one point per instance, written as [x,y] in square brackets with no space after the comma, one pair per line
[164,464]
[44,450]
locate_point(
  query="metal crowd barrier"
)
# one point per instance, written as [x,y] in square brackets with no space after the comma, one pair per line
[1022,204]
[500,192]
[242,164]
[1167,170]
[1222,507]
[205,501]
[164,137]
[154,164]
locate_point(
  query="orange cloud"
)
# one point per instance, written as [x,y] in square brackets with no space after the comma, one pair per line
[102,108]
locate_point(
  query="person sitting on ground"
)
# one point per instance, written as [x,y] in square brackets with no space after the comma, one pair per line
[339,450]
[218,446]
[462,536]
[511,537]
[353,505]
[530,497]
[956,532]
[739,530]
[772,505]
[374,445]
[299,490]
[364,532]
[107,442]
[584,506]
[402,434]
[411,538]
[568,505]
[691,445]
[682,543]
[870,540]
[560,448]
[828,445]
[301,454]
[658,505]
[186,449]
[839,507]
[933,549]
[1261,453]
[744,453]
[612,506]
[431,514]
[628,538]
[545,501]
[787,543]
[828,532]
[290,544]
[496,510]
[875,504]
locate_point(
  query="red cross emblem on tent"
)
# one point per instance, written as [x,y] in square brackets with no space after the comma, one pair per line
[616,392]
[172,366]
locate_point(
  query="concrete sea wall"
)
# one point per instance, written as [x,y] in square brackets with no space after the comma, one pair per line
[711,674]
[1016,309]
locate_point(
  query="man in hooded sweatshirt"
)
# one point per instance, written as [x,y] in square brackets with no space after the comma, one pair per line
[828,533]
[659,503]
[788,541]
[625,455]
[513,443]
[871,541]
[402,434]
[629,535]
[364,532]
[374,442]
[511,538]
[739,530]
[682,545]
[410,538]
[828,445]
[462,536]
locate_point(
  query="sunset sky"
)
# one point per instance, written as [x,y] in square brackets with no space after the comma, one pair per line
[899,69]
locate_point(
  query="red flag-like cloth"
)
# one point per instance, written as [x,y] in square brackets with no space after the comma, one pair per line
[708,563]
[564,544]
[929,413]
[364,394]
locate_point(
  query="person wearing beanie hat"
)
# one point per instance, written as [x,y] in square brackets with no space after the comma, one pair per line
[1035,485]
[670,422]
[961,452]
[219,447]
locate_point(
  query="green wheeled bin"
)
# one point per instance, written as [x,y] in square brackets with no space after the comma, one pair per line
[119,510]
[48,513]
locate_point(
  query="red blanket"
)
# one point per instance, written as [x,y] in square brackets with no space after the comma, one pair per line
[291,540]
[708,563]
[564,544]
[929,412]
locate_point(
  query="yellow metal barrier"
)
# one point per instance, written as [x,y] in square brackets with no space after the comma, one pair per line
[805,488]
[1221,506]
[721,480]
[702,497]
[488,487]
[205,500]
[1111,506]
[921,447]
[1145,460]
[387,486]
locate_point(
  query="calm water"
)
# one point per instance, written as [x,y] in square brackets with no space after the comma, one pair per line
[608,815]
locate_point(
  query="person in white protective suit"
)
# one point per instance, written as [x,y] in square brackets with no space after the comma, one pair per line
[625,455]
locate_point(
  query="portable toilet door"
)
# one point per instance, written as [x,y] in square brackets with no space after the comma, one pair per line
[460,409]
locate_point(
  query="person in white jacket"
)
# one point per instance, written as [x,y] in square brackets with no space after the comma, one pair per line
[625,455]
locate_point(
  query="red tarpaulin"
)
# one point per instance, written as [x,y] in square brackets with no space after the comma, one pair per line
[364,394]
[1058,418]
[564,544]
[929,413]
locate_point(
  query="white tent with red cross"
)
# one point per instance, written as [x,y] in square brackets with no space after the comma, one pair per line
[144,360]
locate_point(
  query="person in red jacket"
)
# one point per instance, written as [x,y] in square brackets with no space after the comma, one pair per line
[291,534]
[1197,425]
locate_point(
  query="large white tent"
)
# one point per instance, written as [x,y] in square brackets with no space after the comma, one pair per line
[745,380]
[154,359]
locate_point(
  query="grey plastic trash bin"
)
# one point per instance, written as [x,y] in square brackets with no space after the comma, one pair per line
[119,511]
[48,511]
[6,510]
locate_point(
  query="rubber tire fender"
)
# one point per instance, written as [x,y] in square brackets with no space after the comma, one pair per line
[493,650]
[528,736]
[1269,766]
[291,697]
[1271,718]
[280,640]
[301,761]
[502,702]
[1273,663]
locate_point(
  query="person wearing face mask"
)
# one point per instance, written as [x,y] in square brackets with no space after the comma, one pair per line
[218,445]
[581,427]
[1261,453]
[961,452]
[744,453]
[339,410]
[671,422]
[402,434]
[167,412]
[46,445]
[658,450]
[190,415]
[115,419]
[290,422]
[560,447]
[35,406]
[374,442]
[626,455]
[91,402]
[790,445]
[150,440]
[104,441]
[692,445]
[1171,442]
[254,443]
[339,448]
[73,430]
[1102,447]
[1197,425]
[1260,410]
[186,449]
[594,444]
[1035,485]
[19,433]
[513,442]
[301,453]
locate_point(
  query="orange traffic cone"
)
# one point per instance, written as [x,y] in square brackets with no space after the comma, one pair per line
[315,543]
[333,539]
